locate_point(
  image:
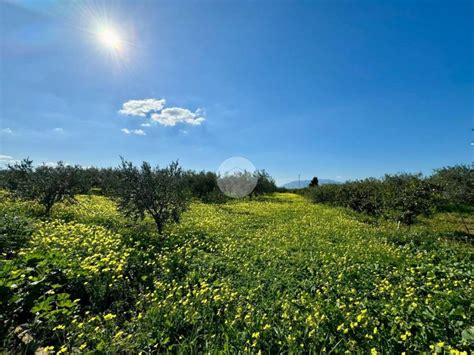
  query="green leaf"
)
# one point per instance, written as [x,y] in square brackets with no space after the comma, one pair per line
[43,306]
[468,335]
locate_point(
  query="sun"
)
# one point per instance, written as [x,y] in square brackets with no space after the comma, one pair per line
[110,38]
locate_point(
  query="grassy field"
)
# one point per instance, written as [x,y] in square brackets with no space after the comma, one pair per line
[277,274]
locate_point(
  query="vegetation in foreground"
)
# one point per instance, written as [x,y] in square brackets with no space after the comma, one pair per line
[277,274]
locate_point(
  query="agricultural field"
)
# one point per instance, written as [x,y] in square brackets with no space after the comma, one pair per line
[266,275]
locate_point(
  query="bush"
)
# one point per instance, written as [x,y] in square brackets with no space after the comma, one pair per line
[362,196]
[406,196]
[399,197]
[456,184]
[325,194]
[15,231]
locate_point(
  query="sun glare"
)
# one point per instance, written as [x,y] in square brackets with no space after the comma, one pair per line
[110,38]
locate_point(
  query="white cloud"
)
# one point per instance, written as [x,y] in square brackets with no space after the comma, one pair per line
[155,109]
[5,157]
[6,131]
[58,130]
[142,107]
[51,164]
[138,132]
[173,115]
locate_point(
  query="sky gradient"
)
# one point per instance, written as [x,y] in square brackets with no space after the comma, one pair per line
[337,89]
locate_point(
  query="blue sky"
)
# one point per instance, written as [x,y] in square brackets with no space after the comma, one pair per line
[337,89]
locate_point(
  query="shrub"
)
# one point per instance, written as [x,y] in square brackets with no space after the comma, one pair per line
[15,231]
[362,196]
[325,194]
[400,197]
[406,196]
[456,184]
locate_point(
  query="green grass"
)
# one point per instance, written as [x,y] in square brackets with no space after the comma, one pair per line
[278,274]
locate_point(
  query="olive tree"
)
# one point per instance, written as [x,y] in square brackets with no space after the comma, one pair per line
[406,196]
[203,186]
[45,184]
[456,184]
[157,192]
[265,183]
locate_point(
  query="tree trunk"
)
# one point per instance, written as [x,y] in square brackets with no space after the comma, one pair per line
[465,224]
[159,223]
[48,207]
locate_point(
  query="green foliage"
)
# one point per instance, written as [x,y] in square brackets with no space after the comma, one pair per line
[203,186]
[456,184]
[15,231]
[275,275]
[108,182]
[363,196]
[99,181]
[92,209]
[406,196]
[159,193]
[265,183]
[323,194]
[400,197]
[45,184]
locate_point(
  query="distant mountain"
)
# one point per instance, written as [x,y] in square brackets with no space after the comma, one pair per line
[305,183]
